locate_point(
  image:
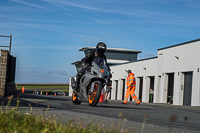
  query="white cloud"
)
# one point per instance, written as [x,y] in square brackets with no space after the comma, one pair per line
[97,20]
[47,47]
[191,3]
[59,73]
[62,3]
[28,4]
[56,4]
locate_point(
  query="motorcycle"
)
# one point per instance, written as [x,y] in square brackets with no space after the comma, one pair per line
[91,83]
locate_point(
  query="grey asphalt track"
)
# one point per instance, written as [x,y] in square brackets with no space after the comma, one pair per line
[159,117]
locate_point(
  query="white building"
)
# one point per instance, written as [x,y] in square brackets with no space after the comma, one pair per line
[173,76]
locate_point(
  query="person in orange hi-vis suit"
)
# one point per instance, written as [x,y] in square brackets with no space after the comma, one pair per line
[130,88]
[23,89]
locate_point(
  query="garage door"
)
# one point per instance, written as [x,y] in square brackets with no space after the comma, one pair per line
[187,89]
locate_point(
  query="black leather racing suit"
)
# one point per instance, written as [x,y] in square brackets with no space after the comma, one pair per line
[86,62]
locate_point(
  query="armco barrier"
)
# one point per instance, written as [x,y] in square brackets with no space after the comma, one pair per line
[40,92]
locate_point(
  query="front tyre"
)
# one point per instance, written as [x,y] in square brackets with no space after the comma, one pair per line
[94,97]
[75,99]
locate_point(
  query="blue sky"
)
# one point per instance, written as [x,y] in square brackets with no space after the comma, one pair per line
[47,34]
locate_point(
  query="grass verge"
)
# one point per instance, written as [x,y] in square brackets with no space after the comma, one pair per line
[14,120]
[64,90]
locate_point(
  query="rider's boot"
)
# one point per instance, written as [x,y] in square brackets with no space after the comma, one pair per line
[77,87]
[78,77]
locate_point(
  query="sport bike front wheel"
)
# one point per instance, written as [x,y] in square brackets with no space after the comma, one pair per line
[94,97]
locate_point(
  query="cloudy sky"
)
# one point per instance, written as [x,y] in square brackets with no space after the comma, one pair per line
[47,34]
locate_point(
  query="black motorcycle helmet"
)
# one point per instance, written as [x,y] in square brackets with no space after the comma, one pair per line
[101,48]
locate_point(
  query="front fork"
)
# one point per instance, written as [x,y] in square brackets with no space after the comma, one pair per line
[91,90]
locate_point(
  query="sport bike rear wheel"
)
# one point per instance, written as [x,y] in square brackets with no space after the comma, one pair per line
[75,98]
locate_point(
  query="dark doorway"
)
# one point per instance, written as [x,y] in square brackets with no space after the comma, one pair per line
[170,88]
[151,89]
[116,81]
[141,88]
[123,88]
[187,89]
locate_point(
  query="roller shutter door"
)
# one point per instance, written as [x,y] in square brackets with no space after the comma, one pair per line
[187,89]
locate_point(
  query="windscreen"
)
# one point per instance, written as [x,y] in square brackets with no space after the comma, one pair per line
[100,61]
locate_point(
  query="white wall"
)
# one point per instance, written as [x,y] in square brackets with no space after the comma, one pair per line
[177,59]
[118,72]
[188,61]
[70,88]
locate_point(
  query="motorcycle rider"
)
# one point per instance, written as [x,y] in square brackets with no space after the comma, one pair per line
[87,61]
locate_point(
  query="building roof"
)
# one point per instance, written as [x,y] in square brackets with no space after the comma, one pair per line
[109,61]
[140,60]
[113,50]
[113,61]
[196,40]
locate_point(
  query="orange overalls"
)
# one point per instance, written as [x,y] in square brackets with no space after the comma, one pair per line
[23,89]
[131,88]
